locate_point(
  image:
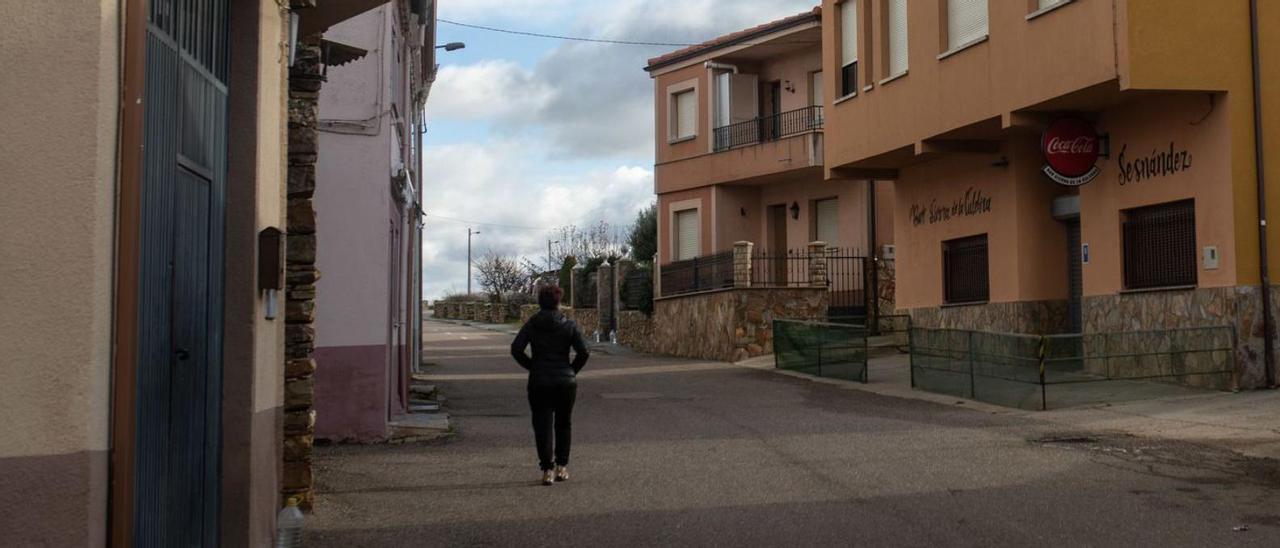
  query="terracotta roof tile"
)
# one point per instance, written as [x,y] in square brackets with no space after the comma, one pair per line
[729,38]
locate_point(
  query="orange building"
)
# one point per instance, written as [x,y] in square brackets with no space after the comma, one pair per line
[740,149]
[1064,165]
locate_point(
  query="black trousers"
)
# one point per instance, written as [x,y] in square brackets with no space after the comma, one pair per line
[552,408]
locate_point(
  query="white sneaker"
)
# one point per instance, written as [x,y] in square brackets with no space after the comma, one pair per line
[548,477]
[562,473]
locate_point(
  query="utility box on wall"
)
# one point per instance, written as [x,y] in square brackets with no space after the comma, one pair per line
[270,259]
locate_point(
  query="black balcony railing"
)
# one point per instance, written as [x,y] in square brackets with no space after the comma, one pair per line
[768,128]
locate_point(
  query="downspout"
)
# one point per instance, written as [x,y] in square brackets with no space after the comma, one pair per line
[1268,322]
[873,299]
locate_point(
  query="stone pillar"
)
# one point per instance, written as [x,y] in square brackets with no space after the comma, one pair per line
[742,264]
[577,277]
[818,264]
[605,297]
[300,276]
[620,272]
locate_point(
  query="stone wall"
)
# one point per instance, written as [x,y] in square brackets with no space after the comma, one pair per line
[1237,307]
[886,270]
[1034,317]
[635,331]
[588,320]
[727,325]
[527,311]
[300,276]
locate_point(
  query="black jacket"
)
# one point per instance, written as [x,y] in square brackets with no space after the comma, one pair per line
[551,335]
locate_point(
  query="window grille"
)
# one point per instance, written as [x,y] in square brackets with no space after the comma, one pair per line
[1160,245]
[965,273]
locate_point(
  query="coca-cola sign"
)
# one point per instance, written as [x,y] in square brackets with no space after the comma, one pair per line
[1071,151]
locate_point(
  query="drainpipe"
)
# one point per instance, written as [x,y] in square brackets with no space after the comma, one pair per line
[873,300]
[1268,322]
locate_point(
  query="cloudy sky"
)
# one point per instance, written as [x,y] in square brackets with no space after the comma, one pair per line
[528,134]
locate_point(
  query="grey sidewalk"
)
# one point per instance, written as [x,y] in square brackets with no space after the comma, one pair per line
[1247,422]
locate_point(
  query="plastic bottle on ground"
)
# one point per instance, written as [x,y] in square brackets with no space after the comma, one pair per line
[289,525]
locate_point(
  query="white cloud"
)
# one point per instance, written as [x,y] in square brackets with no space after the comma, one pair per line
[488,90]
[488,11]
[501,182]
[584,108]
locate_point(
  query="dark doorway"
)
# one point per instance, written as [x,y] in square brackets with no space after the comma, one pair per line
[770,108]
[778,243]
[1075,278]
[181,273]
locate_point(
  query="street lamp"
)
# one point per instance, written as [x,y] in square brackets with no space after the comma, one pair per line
[470,233]
[452,46]
[551,260]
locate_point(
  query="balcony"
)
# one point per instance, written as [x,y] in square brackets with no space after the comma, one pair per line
[768,128]
[772,149]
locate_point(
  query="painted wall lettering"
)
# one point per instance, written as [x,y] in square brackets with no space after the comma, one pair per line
[973,202]
[1160,163]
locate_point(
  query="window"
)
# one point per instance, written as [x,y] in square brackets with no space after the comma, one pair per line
[965,270]
[826,221]
[966,22]
[684,115]
[1160,246]
[815,88]
[687,233]
[848,47]
[896,29]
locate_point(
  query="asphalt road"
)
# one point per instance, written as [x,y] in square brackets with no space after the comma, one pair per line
[672,452]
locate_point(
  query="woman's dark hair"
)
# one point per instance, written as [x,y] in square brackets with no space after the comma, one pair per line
[549,297]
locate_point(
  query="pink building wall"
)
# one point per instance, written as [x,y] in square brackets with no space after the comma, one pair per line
[361,315]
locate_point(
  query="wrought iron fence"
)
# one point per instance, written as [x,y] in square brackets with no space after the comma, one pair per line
[637,290]
[584,295]
[1039,372]
[831,350]
[698,274]
[779,268]
[848,282]
[846,276]
[768,128]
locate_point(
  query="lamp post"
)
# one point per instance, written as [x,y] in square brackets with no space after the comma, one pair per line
[551,260]
[452,46]
[470,233]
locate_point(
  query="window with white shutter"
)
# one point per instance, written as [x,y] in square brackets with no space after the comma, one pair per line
[896,24]
[826,221]
[687,232]
[848,47]
[966,22]
[685,114]
[815,88]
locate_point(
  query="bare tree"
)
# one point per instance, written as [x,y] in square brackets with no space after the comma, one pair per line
[499,274]
[601,239]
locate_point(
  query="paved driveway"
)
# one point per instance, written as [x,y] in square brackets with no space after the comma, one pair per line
[675,452]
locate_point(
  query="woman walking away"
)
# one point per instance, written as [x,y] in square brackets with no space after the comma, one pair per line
[553,383]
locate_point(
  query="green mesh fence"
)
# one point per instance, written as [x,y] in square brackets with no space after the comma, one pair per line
[885,331]
[1042,372]
[837,351]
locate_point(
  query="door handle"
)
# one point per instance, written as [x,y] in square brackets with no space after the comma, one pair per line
[182,354]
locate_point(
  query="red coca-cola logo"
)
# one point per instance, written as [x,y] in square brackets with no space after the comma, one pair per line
[1070,147]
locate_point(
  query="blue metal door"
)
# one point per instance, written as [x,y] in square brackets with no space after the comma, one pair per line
[179,369]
